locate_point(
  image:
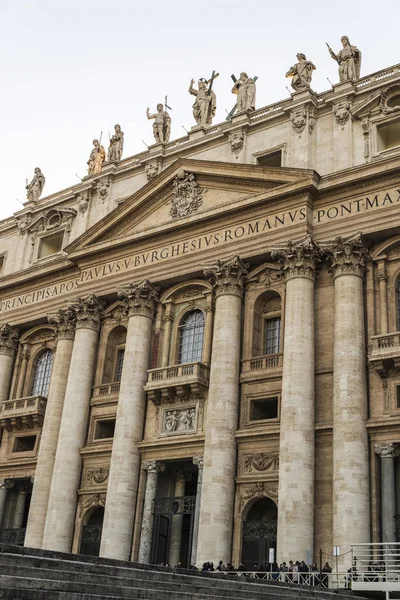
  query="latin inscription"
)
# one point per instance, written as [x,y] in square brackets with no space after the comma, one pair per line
[353,207]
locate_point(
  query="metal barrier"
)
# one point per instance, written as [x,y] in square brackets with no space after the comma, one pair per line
[376,567]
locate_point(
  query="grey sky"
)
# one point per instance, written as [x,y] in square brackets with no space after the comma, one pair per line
[72,69]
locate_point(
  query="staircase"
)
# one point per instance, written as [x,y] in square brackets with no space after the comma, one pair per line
[30,574]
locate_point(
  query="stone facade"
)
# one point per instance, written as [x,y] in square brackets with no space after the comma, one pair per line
[212,352]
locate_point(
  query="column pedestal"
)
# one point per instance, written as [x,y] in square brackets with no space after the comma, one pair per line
[152,467]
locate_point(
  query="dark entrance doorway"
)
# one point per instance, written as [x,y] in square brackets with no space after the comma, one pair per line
[259,533]
[164,511]
[91,533]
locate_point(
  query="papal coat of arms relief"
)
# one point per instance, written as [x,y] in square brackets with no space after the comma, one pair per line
[187,195]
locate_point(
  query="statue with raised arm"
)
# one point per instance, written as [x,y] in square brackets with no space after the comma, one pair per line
[161,125]
[205,105]
[96,158]
[34,189]
[301,73]
[348,59]
[116,146]
[245,88]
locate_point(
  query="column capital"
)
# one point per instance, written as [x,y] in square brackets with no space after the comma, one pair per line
[88,312]
[6,484]
[153,466]
[198,461]
[64,320]
[8,339]
[227,276]
[298,258]
[387,450]
[140,298]
[347,256]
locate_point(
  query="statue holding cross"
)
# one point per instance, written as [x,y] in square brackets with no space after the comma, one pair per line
[205,105]
[245,88]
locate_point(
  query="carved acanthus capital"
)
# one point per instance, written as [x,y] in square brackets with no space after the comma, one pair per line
[227,277]
[299,258]
[88,312]
[64,321]
[8,339]
[140,298]
[198,461]
[6,484]
[347,256]
[153,466]
[386,450]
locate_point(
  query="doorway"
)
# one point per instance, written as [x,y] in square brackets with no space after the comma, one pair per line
[91,533]
[259,533]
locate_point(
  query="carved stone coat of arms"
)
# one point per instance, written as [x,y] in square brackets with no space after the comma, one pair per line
[187,195]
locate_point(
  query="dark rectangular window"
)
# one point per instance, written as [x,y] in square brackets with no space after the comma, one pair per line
[24,443]
[104,429]
[398,395]
[120,362]
[272,335]
[274,159]
[267,408]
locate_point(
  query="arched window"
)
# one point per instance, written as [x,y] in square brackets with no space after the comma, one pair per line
[42,373]
[191,334]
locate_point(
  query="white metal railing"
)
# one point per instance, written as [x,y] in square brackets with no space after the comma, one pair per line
[376,567]
[335,580]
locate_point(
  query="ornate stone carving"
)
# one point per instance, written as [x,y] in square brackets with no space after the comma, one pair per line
[387,450]
[342,113]
[140,298]
[64,321]
[34,189]
[366,134]
[348,59]
[260,489]
[88,312]
[272,305]
[179,421]
[198,461]
[347,256]
[299,258]
[299,120]
[312,121]
[261,462]
[227,277]
[48,220]
[187,195]
[153,466]
[236,141]
[152,170]
[390,99]
[83,201]
[301,73]
[8,339]
[23,224]
[86,502]
[99,475]
[6,483]
[103,189]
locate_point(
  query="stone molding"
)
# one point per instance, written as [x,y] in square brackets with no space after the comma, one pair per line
[347,256]
[8,339]
[64,320]
[198,461]
[387,450]
[227,277]
[153,466]
[88,312]
[94,500]
[140,298]
[299,258]
[261,489]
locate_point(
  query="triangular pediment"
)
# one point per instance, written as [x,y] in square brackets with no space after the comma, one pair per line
[187,192]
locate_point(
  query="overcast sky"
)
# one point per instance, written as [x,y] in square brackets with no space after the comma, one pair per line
[70,70]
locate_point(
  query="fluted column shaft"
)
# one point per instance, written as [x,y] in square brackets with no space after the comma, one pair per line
[198,461]
[152,467]
[216,509]
[388,452]
[59,526]
[123,480]
[296,444]
[175,539]
[8,348]
[351,510]
[64,321]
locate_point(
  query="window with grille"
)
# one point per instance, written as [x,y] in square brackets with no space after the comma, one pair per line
[42,374]
[191,334]
[272,335]
[120,362]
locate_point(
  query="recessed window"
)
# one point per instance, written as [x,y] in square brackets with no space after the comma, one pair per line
[104,429]
[119,365]
[267,408]
[191,333]
[273,159]
[389,135]
[272,335]
[42,373]
[25,443]
[51,244]
[398,396]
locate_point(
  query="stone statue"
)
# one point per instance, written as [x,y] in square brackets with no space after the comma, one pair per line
[245,88]
[35,187]
[116,145]
[96,158]
[348,59]
[301,73]
[206,102]
[161,125]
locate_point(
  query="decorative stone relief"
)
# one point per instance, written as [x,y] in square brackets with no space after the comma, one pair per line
[312,121]
[141,298]
[299,121]
[64,321]
[390,99]
[8,339]
[342,113]
[236,141]
[103,189]
[88,312]
[260,489]
[187,195]
[83,201]
[271,305]
[152,170]
[179,421]
[23,224]
[366,134]
[227,277]
[387,450]
[99,475]
[299,258]
[86,502]
[261,462]
[7,483]
[48,220]
[153,466]
[347,255]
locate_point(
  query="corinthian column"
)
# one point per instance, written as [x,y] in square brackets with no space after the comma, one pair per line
[153,467]
[296,443]
[198,461]
[64,321]
[8,348]
[119,517]
[388,452]
[175,538]
[351,513]
[216,509]
[59,527]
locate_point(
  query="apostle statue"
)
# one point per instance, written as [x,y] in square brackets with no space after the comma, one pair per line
[301,73]
[116,145]
[161,125]
[245,88]
[348,59]
[34,189]
[96,158]
[206,102]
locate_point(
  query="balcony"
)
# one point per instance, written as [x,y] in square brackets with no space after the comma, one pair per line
[177,382]
[24,413]
[385,353]
[261,366]
[106,389]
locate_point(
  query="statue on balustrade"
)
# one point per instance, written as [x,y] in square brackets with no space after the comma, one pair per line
[348,59]
[96,158]
[301,73]
[161,125]
[205,105]
[116,145]
[245,88]
[34,189]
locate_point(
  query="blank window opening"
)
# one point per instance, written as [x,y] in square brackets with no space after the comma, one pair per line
[267,408]
[105,429]
[51,244]
[25,443]
[274,159]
